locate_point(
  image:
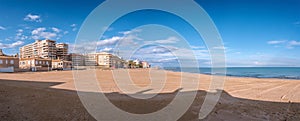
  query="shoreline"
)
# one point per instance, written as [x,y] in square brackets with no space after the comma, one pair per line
[230,75]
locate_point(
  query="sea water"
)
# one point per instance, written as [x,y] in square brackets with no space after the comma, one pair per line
[256,72]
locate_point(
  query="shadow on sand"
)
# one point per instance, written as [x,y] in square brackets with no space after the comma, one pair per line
[25,100]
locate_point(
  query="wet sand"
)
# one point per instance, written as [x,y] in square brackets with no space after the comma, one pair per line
[52,96]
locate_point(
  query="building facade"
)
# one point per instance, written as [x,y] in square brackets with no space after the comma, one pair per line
[102,60]
[77,59]
[107,60]
[91,59]
[145,64]
[46,49]
[62,51]
[8,63]
[61,65]
[35,64]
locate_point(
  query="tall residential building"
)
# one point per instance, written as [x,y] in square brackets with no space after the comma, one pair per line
[27,51]
[62,51]
[46,49]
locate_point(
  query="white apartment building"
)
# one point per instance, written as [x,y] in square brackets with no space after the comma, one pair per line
[108,60]
[103,60]
[62,51]
[44,49]
[91,59]
[77,59]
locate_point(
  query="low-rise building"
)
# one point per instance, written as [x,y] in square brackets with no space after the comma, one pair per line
[145,64]
[61,65]
[35,64]
[137,63]
[8,63]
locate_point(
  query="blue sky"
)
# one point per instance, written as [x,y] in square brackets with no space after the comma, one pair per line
[255,32]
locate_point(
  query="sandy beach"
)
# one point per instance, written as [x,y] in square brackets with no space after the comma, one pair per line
[53,96]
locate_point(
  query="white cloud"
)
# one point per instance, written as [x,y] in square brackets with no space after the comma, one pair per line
[2,28]
[38,30]
[127,38]
[158,50]
[12,45]
[32,17]
[20,35]
[220,48]
[288,44]
[55,29]
[18,43]
[41,33]
[197,47]
[168,40]
[107,49]
[74,27]
[110,41]
[276,42]
[165,60]
[130,32]
[20,30]
[292,44]
[66,32]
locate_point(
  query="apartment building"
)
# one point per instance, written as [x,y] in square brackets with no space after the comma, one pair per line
[107,60]
[27,51]
[62,51]
[46,49]
[103,60]
[91,59]
[77,59]
[8,63]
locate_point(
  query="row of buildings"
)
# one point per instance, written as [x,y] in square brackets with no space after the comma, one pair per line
[45,55]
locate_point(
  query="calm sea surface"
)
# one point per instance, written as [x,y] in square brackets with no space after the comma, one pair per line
[256,72]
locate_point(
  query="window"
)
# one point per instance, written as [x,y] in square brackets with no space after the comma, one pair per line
[47,63]
[36,62]
[40,62]
[1,61]
[12,62]
[6,61]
